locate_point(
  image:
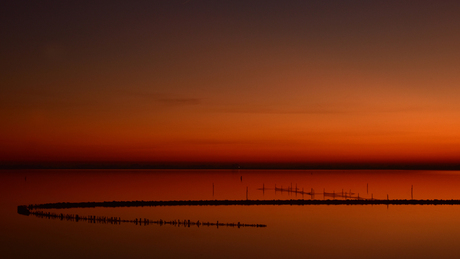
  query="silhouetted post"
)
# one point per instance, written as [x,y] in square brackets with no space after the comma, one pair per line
[302,193]
[358,196]
[388,198]
[295,190]
[263,189]
[342,193]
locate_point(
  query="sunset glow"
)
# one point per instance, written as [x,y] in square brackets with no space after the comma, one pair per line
[231,81]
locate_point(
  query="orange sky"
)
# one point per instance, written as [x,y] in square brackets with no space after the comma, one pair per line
[235,81]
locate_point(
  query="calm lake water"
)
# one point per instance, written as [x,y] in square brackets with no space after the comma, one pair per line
[315,231]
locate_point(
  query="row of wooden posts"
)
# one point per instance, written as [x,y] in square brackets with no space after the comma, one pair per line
[345,195]
[137,221]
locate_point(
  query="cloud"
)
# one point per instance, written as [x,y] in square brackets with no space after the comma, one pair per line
[162,99]
[179,101]
[321,110]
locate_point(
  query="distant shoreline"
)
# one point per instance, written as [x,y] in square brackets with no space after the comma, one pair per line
[230,166]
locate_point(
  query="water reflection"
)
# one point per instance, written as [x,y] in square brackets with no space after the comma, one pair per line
[320,231]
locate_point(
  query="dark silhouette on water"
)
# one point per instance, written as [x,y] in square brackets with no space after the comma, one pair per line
[137,221]
[333,194]
[22,209]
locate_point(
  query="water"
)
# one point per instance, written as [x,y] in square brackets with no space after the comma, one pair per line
[316,231]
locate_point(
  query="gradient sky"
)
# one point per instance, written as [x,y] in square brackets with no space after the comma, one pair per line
[230,81]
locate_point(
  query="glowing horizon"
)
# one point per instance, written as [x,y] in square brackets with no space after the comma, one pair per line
[175,81]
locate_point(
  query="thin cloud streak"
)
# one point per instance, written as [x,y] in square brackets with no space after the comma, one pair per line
[325,111]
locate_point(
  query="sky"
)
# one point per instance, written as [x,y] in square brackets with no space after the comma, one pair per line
[308,82]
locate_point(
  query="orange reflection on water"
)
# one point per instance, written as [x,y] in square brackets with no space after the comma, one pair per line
[108,185]
[318,231]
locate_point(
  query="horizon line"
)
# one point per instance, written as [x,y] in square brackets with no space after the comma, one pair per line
[233,166]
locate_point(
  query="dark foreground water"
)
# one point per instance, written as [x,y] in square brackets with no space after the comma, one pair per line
[315,231]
